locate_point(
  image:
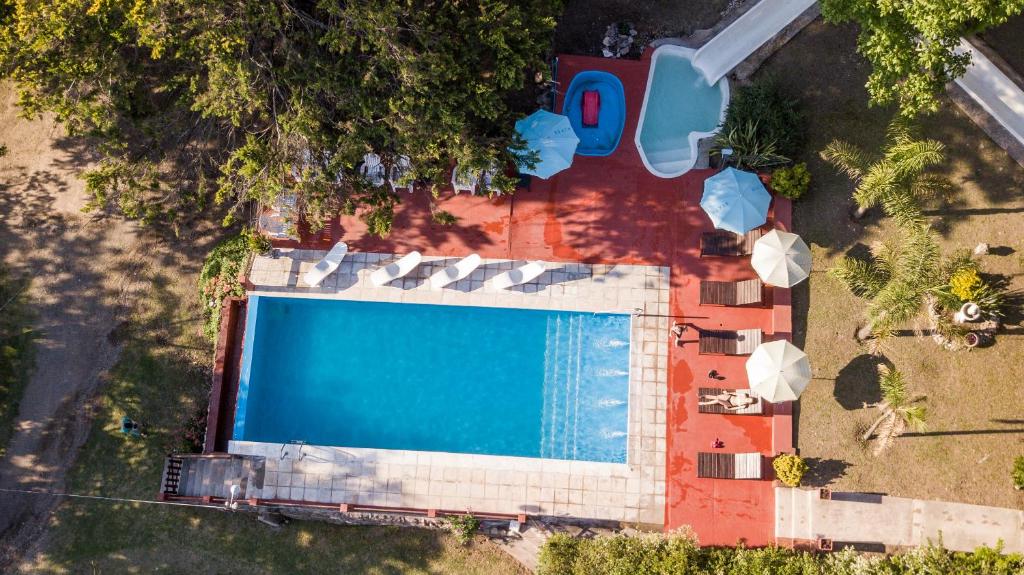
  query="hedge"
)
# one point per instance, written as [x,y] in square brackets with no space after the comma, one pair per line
[678,554]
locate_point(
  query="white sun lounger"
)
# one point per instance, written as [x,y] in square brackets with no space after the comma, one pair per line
[326,266]
[520,275]
[372,170]
[455,272]
[396,269]
[398,171]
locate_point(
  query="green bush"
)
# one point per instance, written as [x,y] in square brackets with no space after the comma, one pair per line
[791,182]
[1018,473]
[749,150]
[462,527]
[678,553]
[219,279]
[776,116]
[258,243]
[789,468]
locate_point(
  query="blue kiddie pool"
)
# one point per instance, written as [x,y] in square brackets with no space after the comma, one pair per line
[605,110]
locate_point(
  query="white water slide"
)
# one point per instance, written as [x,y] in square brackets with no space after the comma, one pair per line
[993,91]
[752,29]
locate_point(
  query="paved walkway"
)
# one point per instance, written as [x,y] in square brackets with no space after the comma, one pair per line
[870,521]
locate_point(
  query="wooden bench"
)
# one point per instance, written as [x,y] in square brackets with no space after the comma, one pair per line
[741,342]
[723,243]
[729,465]
[744,292]
[756,408]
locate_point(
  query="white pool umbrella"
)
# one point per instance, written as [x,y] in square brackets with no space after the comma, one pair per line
[781,259]
[778,371]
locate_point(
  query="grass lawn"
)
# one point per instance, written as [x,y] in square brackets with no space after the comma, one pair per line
[16,338]
[974,398]
[161,378]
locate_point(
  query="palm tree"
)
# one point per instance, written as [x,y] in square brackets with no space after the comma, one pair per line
[896,180]
[898,410]
[895,280]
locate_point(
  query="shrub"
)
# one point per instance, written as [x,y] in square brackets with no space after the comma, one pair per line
[258,243]
[965,283]
[789,469]
[776,117]
[1018,473]
[791,182]
[679,553]
[462,527]
[219,279]
[749,150]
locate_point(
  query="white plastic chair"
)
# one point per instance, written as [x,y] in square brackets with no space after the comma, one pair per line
[455,272]
[396,269]
[398,171]
[372,170]
[463,180]
[520,275]
[326,266]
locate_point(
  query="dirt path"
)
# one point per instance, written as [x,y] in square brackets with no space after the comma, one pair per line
[82,271]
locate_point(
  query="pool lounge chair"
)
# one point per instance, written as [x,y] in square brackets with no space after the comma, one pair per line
[744,292]
[756,408]
[719,342]
[520,275]
[398,268]
[464,181]
[729,465]
[326,266]
[372,170]
[398,172]
[723,243]
[455,272]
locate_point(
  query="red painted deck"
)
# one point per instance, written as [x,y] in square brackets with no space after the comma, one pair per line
[612,210]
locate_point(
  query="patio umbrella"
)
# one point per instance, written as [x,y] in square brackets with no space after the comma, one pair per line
[781,259]
[551,136]
[735,201]
[778,371]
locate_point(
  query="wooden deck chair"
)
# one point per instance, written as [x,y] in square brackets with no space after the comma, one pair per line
[740,342]
[746,292]
[729,465]
[723,243]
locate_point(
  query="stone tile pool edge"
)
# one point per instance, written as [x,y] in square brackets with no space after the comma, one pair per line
[631,492]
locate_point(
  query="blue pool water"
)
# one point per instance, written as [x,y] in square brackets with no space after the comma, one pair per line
[602,139]
[493,381]
[679,109]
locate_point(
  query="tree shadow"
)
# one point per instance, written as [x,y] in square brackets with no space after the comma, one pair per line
[857,382]
[822,472]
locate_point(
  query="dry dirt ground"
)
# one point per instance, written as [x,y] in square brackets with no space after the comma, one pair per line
[84,271]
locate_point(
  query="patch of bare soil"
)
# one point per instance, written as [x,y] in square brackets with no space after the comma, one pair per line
[583,23]
[85,271]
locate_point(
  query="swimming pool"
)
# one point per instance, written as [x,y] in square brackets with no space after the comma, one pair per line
[497,381]
[679,109]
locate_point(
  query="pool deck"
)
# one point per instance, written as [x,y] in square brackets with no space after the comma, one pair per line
[611,210]
[633,492]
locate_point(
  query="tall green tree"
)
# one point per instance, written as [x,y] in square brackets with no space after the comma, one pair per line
[911,44]
[253,97]
[897,179]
